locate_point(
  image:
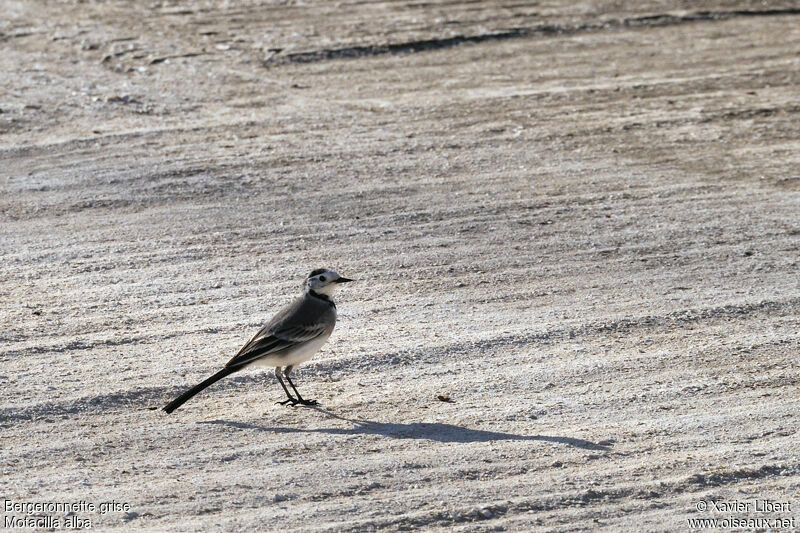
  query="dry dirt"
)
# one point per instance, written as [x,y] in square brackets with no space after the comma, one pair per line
[577,220]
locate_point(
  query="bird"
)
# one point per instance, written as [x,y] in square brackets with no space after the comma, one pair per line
[292,337]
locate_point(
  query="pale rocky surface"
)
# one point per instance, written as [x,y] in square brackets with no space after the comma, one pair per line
[578,221]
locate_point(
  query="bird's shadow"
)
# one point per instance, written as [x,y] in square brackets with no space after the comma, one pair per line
[416,430]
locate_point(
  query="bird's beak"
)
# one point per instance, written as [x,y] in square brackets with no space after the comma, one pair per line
[343,280]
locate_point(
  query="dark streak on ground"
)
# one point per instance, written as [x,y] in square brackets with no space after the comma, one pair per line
[427,45]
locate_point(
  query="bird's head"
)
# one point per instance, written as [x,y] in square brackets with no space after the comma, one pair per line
[324,281]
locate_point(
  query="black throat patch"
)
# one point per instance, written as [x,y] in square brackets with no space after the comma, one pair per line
[323,297]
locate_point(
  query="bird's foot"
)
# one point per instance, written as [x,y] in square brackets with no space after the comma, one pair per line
[308,402]
[291,401]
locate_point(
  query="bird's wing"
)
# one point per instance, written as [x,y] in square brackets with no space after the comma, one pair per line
[297,323]
[259,346]
[300,332]
[263,345]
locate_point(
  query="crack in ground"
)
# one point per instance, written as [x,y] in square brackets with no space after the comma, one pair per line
[426,45]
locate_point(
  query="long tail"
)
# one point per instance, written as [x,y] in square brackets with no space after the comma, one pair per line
[183,398]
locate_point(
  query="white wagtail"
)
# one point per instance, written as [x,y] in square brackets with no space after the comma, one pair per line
[295,334]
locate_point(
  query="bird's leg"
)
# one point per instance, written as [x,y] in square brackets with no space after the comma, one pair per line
[291,399]
[300,399]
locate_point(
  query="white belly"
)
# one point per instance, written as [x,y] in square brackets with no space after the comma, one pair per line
[293,356]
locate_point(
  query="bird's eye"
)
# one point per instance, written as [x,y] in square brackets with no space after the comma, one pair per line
[322,278]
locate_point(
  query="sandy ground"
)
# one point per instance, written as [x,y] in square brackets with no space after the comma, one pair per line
[578,221]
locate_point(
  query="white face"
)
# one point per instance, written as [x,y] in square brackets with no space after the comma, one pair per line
[324,281]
